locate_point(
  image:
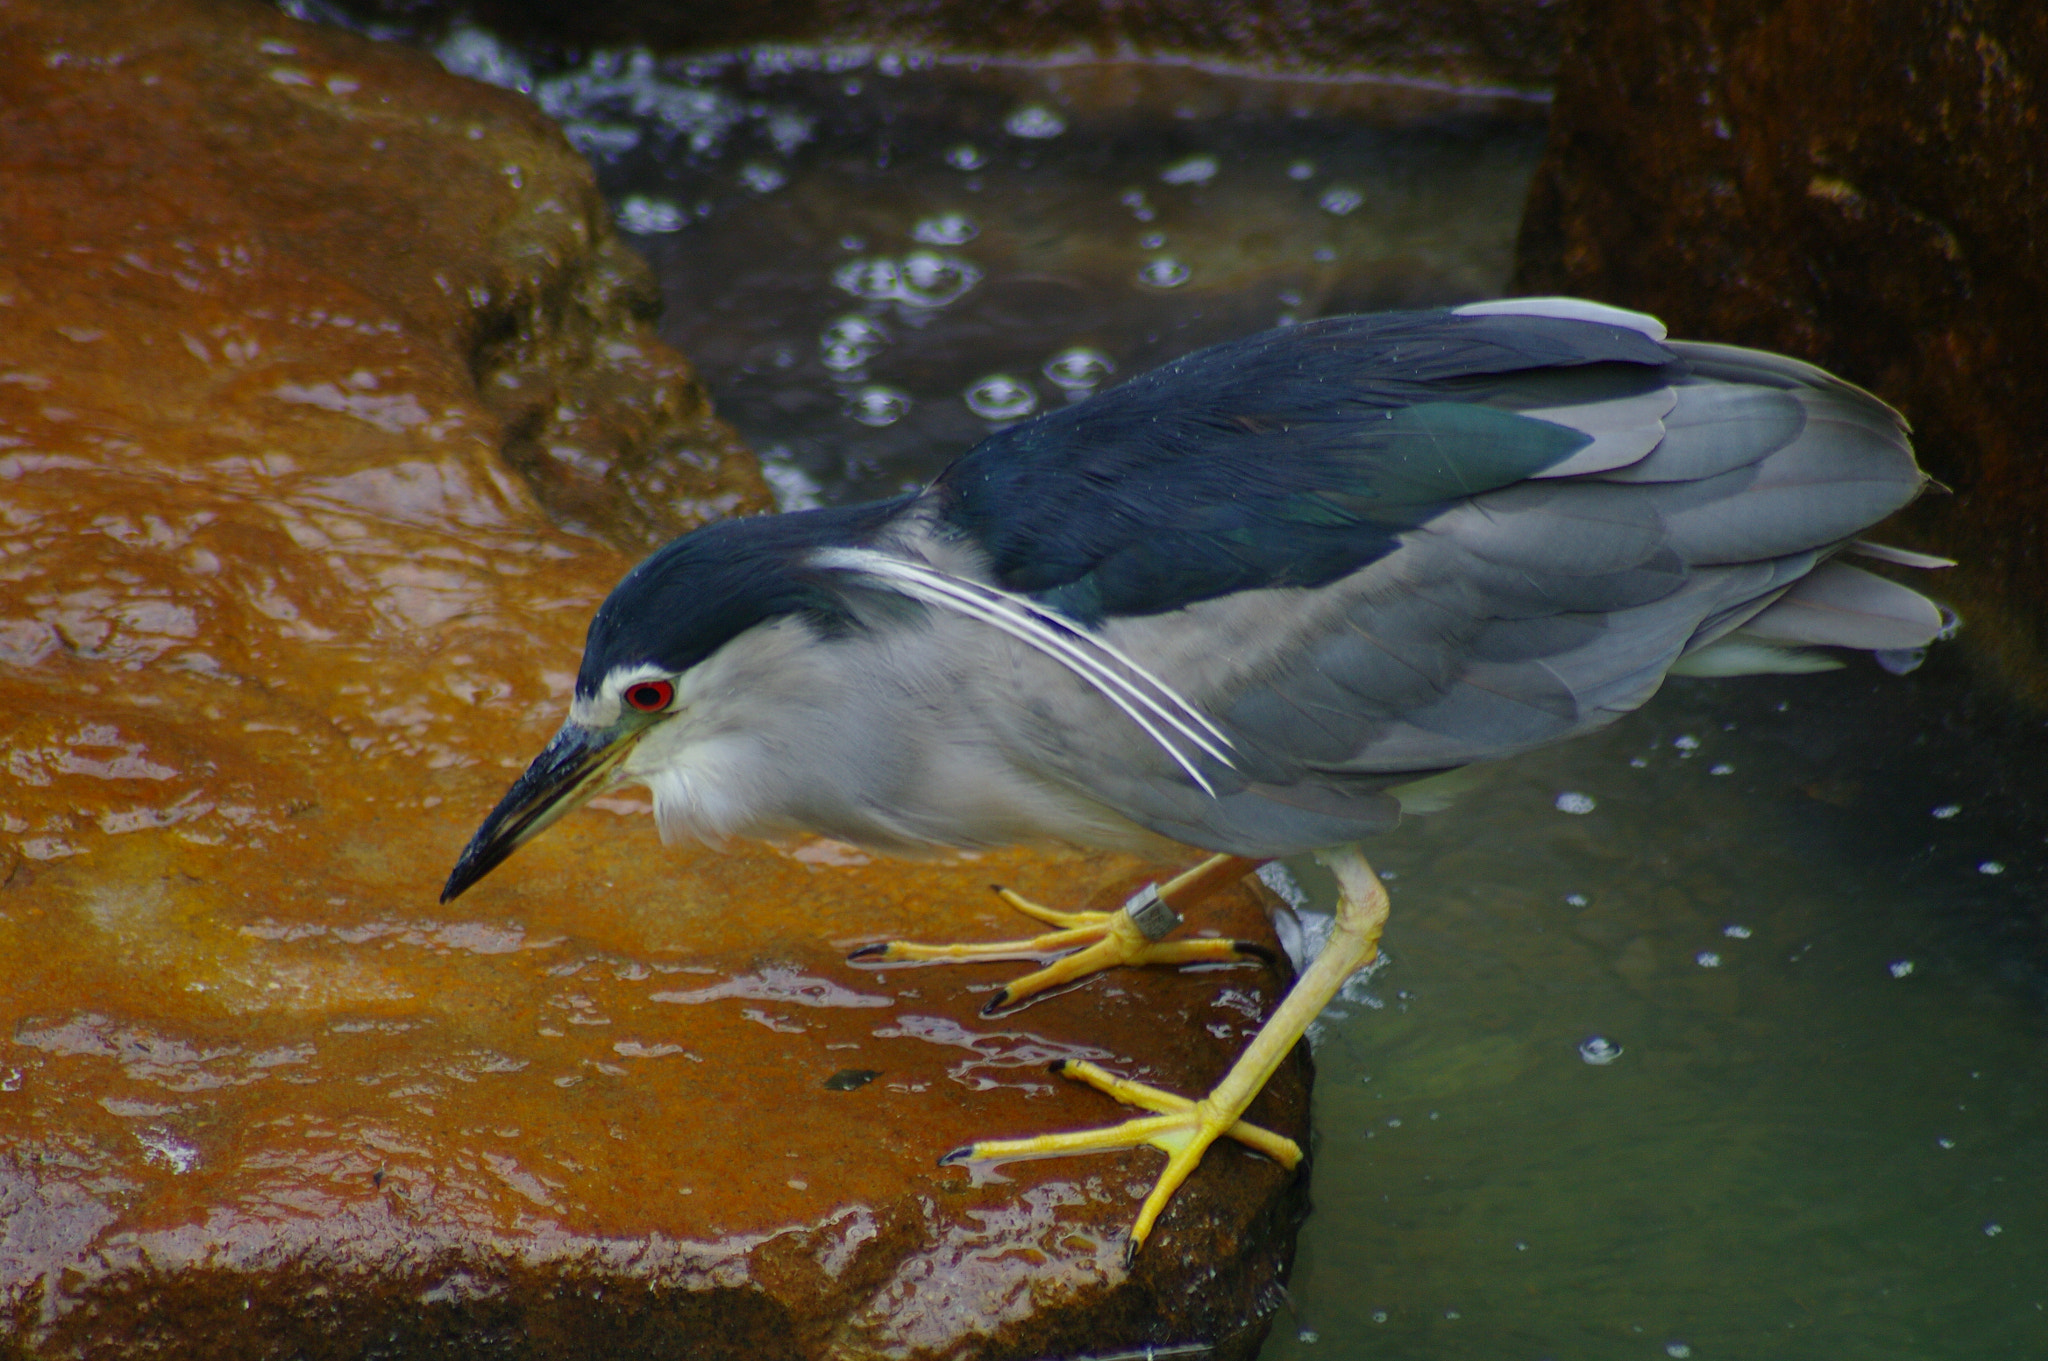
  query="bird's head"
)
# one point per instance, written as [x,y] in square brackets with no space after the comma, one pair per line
[650,641]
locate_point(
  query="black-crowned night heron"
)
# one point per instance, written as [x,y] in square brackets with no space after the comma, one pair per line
[1238,603]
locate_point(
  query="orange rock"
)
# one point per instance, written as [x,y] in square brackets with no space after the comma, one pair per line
[277,625]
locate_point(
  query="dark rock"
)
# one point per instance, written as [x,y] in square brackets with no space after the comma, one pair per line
[1863,185]
[275,624]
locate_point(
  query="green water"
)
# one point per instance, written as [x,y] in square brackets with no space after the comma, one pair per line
[1807,911]
[1824,1135]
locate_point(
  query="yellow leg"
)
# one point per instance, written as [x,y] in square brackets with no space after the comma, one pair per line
[1184,1129]
[1086,942]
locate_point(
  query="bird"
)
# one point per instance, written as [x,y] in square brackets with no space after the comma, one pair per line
[1244,603]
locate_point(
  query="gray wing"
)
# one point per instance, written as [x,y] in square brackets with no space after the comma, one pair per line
[1529,614]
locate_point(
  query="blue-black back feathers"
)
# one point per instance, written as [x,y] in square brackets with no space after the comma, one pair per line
[1289,458]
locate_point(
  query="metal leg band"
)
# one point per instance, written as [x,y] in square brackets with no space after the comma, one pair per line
[1150,913]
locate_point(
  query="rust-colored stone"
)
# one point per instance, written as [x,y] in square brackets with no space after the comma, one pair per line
[276,626]
[1864,185]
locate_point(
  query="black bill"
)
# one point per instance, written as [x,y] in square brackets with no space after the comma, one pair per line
[573,768]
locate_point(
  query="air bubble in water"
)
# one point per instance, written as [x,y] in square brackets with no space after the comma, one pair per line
[933,280]
[945,229]
[1164,272]
[1340,200]
[1078,369]
[850,342]
[650,216]
[1598,1050]
[763,178]
[878,406]
[1034,121]
[1193,170]
[999,397]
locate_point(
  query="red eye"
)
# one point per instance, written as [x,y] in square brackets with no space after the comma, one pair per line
[650,696]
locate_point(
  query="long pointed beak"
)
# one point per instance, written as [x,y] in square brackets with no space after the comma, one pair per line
[574,767]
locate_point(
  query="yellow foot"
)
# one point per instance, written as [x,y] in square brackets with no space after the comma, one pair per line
[1180,1128]
[1184,1129]
[1089,942]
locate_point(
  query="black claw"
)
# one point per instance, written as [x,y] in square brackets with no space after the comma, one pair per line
[995,888]
[959,1155]
[994,1006]
[1056,1066]
[1130,1253]
[880,947]
[1258,952]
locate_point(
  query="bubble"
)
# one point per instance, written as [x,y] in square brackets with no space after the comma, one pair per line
[1707,959]
[1034,121]
[1735,932]
[921,279]
[878,406]
[1302,170]
[933,280]
[1078,369]
[1722,769]
[1164,272]
[1575,899]
[1947,811]
[1598,1050]
[1944,1142]
[1379,1316]
[999,397]
[850,342]
[1638,762]
[1579,804]
[1900,661]
[965,156]
[1678,1350]
[876,279]
[1152,241]
[945,229]
[1193,170]
[1900,968]
[1990,1230]
[1324,255]
[1686,743]
[646,216]
[1340,200]
[1990,867]
[763,178]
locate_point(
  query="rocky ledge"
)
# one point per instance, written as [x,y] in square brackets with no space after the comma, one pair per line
[312,358]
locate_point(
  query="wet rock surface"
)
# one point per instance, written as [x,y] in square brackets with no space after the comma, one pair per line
[1861,186]
[277,625]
